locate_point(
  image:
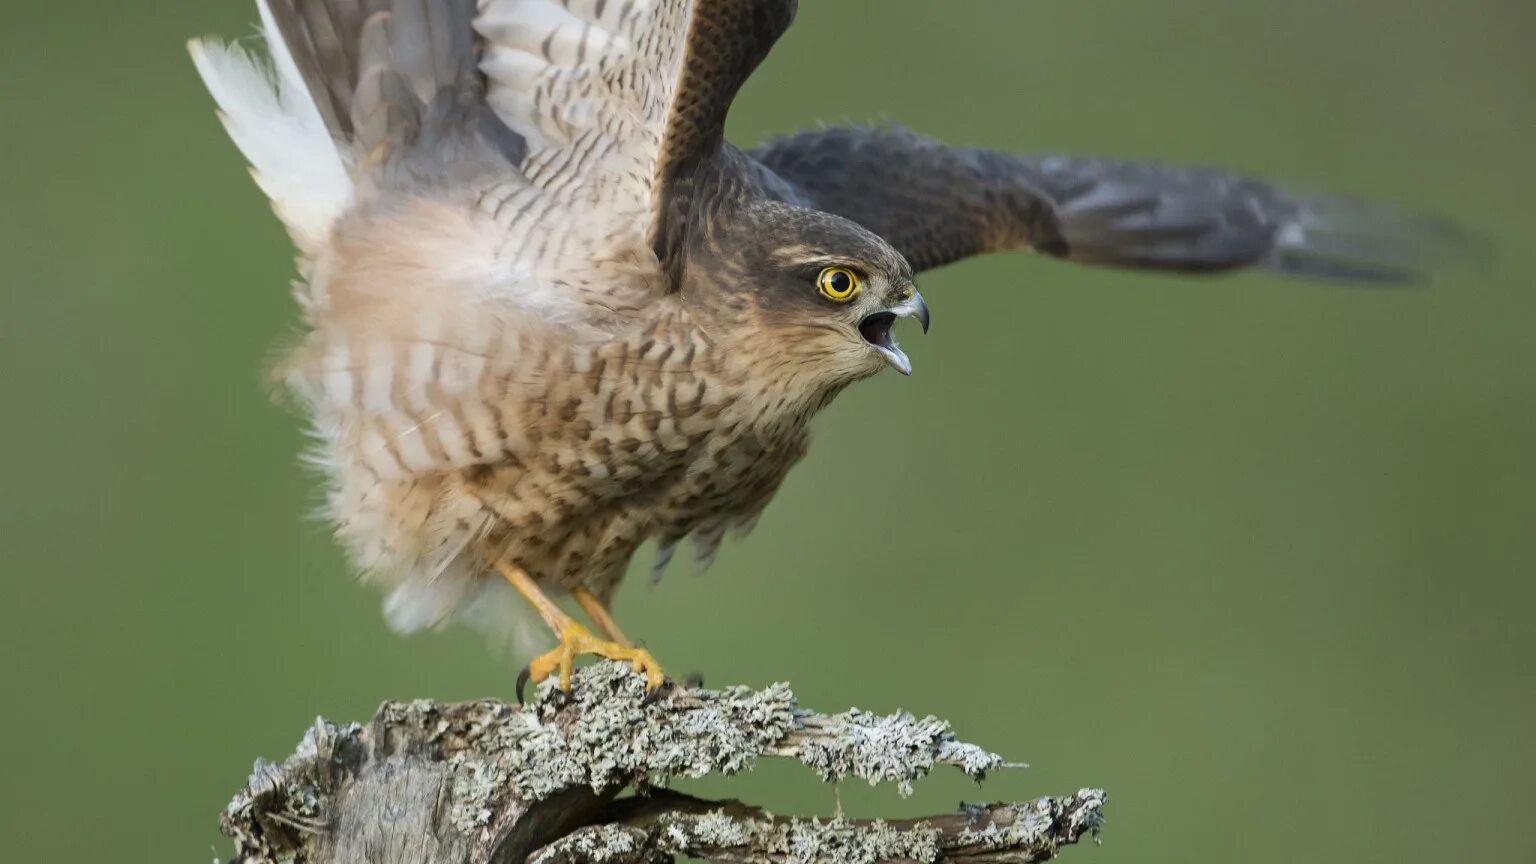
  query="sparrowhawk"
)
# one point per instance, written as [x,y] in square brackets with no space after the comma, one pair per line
[550,313]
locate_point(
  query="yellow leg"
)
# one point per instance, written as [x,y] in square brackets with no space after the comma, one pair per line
[575,639]
[600,615]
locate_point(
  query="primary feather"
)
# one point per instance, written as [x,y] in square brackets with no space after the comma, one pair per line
[939,204]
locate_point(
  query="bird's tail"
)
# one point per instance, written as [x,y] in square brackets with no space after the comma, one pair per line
[354,89]
[374,68]
[268,111]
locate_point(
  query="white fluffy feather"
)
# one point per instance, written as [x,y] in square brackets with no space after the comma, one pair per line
[269,114]
[489,605]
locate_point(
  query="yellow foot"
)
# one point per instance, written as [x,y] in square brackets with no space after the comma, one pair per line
[576,640]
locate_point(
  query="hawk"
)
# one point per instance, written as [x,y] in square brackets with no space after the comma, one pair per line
[550,313]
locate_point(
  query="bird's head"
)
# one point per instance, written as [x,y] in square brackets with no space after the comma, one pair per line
[825,290]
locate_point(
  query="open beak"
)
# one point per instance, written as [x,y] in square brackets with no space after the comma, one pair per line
[876,330]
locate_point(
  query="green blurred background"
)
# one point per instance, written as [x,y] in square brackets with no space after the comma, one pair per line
[1255,555]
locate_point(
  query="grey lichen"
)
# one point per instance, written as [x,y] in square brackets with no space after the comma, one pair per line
[983,833]
[605,734]
[282,803]
[894,748]
[802,841]
[1033,824]
[797,841]
[713,828]
[841,840]
[1088,813]
[599,844]
[608,731]
[487,783]
[474,783]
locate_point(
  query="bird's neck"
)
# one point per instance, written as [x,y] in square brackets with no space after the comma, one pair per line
[748,371]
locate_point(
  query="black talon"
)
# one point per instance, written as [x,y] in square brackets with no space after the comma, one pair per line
[561,697]
[653,696]
[522,679]
[694,681]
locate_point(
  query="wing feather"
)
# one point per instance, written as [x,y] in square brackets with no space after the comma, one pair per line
[939,204]
[619,100]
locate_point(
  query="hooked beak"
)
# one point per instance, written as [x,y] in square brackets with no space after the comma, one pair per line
[876,330]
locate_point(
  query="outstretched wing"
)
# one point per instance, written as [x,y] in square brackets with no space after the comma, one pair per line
[938,204]
[570,121]
[618,99]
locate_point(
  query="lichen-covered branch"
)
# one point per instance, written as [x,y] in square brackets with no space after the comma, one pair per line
[488,783]
[667,823]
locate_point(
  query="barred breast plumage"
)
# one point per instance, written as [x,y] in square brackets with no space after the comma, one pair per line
[458,431]
[582,456]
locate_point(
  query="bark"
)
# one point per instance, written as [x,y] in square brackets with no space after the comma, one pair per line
[490,783]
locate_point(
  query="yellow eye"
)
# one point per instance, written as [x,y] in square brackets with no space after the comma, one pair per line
[838,283]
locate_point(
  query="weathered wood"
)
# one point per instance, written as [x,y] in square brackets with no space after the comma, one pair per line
[489,783]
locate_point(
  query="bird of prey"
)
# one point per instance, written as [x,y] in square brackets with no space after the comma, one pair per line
[550,313]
